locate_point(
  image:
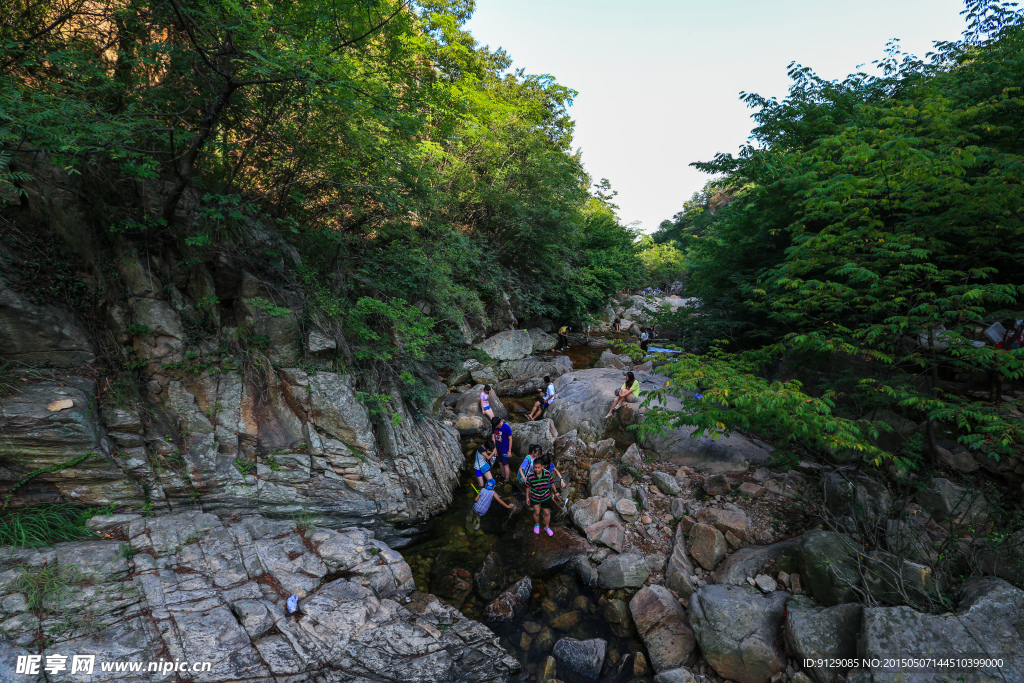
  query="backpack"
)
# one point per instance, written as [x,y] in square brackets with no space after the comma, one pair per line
[524,468]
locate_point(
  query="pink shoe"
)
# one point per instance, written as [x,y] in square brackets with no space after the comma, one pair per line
[536,529]
[549,531]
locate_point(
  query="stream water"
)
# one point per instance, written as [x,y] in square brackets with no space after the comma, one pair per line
[559,606]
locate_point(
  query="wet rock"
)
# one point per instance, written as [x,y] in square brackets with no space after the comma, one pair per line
[628,570]
[586,572]
[662,624]
[675,676]
[639,664]
[828,633]
[511,601]
[666,483]
[507,345]
[751,560]
[615,611]
[583,657]
[679,568]
[565,621]
[738,631]
[829,566]
[492,577]
[707,545]
[987,620]
[539,554]
[548,667]
[451,581]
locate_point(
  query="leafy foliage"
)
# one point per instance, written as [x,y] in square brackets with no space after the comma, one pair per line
[875,219]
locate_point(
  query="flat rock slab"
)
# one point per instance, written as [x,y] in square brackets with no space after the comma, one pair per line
[539,554]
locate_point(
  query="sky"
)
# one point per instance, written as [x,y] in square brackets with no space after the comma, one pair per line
[659,80]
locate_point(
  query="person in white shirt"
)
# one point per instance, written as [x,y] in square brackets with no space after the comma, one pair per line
[644,339]
[547,396]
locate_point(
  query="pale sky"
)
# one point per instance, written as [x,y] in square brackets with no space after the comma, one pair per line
[659,80]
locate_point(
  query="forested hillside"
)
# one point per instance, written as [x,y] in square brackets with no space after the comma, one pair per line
[862,242]
[426,185]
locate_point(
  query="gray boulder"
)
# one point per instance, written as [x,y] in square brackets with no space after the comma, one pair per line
[583,657]
[541,432]
[469,403]
[986,624]
[628,570]
[613,360]
[661,623]
[830,567]
[511,601]
[857,497]
[602,479]
[828,633]
[738,631]
[507,345]
[675,676]
[666,483]
[542,341]
[538,366]
[588,511]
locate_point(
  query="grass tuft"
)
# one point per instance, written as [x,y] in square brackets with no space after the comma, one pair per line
[45,525]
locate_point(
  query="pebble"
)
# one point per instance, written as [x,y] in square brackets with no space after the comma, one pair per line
[639,664]
[646,519]
[532,627]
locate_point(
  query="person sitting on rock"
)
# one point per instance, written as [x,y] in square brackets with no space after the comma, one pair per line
[539,495]
[630,388]
[484,459]
[547,396]
[485,401]
[618,325]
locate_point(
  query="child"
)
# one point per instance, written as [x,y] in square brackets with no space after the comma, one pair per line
[503,438]
[527,465]
[485,456]
[485,401]
[548,395]
[483,502]
[538,494]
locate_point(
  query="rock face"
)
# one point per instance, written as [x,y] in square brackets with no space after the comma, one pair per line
[31,333]
[662,625]
[823,633]
[584,397]
[583,657]
[946,501]
[507,345]
[542,341]
[986,625]
[737,629]
[197,588]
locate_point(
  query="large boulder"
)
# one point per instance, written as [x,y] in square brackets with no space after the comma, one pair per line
[858,497]
[538,554]
[538,366]
[582,657]
[661,623]
[469,403]
[609,359]
[583,399]
[738,631]
[507,345]
[986,625]
[602,479]
[628,570]
[588,511]
[829,566]
[540,432]
[827,633]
